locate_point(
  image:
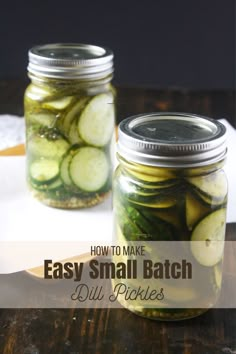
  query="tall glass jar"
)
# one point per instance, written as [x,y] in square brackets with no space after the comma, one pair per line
[70,117]
[170,186]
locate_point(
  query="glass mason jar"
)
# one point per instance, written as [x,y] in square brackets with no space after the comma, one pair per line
[70,117]
[170,186]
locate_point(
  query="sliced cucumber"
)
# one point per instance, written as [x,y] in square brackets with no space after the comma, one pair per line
[169,215]
[130,230]
[137,218]
[207,240]
[64,170]
[154,196]
[161,203]
[213,186]
[65,166]
[44,171]
[40,146]
[55,185]
[89,169]
[96,123]
[73,135]
[195,211]
[59,104]
[153,181]
[161,229]
[44,119]
[50,187]
[208,200]
[72,115]
[156,189]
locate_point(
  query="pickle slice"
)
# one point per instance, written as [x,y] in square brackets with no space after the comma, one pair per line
[40,146]
[89,169]
[207,240]
[96,123]
[73,135]
[44,171]
[169,215]
[161,203]
[59,104]
[152,181]
[72,115]
[129,230]
[195,210]
[213,186]
[54,186]
[64,170]
[43,119]
[209,200]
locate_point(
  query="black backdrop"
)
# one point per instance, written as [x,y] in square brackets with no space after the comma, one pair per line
[159,43]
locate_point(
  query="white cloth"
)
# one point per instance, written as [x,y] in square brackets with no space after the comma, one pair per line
[12,131]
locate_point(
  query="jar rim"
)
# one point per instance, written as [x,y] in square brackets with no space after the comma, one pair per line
[71,61]
[172,139]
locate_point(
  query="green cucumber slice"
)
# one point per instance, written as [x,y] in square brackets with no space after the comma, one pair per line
[40,146]
[50,187]
[64,170]
[155,196]
[65,166]
[161,203]
[213,186]
[96,123]
[89,169]
[73,135]
[153,181]
[44,119]
[208,200]
[137,218]
[58,104]
[169,215]
[161,229]
[44,171]
[130,230]
[195,211]
[72,115]
[211,232]
[55,185]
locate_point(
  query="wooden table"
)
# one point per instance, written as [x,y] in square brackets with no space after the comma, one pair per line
[88,331]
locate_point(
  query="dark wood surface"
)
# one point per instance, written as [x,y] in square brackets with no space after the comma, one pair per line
[216,104]
[118,331]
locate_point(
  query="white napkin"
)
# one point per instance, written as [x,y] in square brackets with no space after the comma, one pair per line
[12,131]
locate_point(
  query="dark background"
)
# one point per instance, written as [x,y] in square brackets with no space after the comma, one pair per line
[161,43]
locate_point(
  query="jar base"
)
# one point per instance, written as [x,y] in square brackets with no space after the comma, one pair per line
[70,203]
[169,316]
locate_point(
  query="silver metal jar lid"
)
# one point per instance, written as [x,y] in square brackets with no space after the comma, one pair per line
[70,61]
[172,140]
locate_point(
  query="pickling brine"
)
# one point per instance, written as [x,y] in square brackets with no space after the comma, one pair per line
[173,191]
[70,117]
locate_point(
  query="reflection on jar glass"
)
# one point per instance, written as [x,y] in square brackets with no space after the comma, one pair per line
[70,117]
[170,186]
